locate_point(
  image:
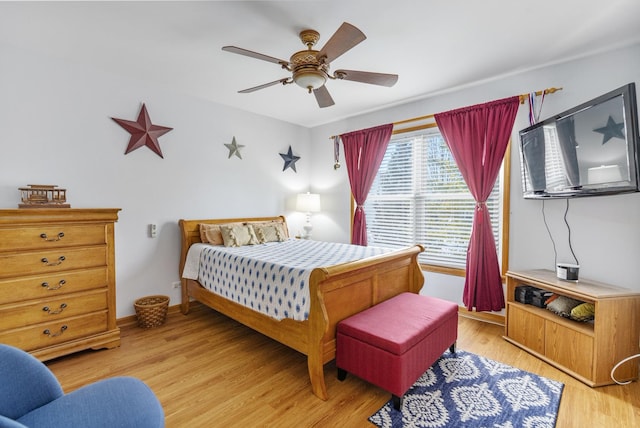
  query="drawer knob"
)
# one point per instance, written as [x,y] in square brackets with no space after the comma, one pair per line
[58,237]
[48,332]
[55,312]
[56,287]
[46,261]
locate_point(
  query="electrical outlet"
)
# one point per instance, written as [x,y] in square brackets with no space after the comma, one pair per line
[153,230]
[176,284]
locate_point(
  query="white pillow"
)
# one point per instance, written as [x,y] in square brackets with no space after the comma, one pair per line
[237,236]
[273,232]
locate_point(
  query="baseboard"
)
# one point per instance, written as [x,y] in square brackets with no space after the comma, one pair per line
[132,320]
[481,316]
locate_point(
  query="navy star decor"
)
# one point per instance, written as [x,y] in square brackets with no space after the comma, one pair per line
[234,148]
[611,130]
[290,160]
[143,132]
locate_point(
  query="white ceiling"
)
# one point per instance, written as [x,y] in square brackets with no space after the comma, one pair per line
[434,46]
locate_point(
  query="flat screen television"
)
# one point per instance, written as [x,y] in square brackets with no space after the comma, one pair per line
[588,150]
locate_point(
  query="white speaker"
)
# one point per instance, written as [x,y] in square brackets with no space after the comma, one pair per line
[567,272]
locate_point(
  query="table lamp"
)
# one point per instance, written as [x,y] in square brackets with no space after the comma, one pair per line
[308,203]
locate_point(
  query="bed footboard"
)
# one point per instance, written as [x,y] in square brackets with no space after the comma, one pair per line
[341,291]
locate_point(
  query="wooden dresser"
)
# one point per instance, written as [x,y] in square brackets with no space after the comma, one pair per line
[57,280]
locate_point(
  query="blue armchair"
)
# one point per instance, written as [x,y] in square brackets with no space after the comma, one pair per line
[31,396]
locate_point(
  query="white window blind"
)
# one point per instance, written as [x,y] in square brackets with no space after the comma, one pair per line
[419,196]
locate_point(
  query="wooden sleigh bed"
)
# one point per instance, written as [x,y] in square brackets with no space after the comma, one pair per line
[336,292]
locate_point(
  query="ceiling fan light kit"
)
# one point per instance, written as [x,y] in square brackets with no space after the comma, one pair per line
[310,68]
[308,71]
[309,79]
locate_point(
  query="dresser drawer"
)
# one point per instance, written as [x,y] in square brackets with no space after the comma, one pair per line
[55,332]
[52,261]
[51,286]
[23,314]
[51,236]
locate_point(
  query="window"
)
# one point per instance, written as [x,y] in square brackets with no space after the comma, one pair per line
[419,196]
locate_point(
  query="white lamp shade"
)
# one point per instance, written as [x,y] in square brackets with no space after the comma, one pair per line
[309,79]
[308,202]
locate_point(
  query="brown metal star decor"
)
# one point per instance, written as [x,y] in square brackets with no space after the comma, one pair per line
[143,132]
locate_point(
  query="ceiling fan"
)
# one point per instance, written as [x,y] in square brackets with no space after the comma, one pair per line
[310,68]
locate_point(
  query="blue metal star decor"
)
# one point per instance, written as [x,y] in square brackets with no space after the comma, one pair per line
[234,148]
[611,130]
[290,160]
[143,132]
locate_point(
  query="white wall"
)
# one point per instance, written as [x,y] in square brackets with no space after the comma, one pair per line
[56,128]
[605,231]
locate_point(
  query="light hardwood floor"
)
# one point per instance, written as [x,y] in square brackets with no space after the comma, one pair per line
[209,371]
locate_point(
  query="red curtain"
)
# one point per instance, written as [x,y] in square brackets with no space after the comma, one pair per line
[363,153]
[478,137]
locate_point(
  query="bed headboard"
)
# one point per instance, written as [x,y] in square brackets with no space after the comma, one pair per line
[190,230]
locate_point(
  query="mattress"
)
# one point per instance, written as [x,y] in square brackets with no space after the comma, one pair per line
[271,278]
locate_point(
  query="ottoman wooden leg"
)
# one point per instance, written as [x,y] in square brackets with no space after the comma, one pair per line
[342,374]
[452,348]
[397,402]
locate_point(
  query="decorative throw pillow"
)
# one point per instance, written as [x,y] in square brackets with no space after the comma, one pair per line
[583,312]
[277,223]
[270,232]
[562,305]
[210,234]
[237,236]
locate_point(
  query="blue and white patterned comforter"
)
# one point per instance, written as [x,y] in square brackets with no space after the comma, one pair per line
[270,278]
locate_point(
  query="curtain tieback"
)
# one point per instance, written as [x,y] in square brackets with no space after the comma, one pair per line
[481,206]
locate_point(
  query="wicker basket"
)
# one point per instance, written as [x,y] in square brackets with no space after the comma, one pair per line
[151,310]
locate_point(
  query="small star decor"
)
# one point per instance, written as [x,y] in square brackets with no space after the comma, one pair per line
[611,130]
[234,148]
[289,160]
[143,132]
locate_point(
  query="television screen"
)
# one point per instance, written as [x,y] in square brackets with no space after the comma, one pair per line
[585,151]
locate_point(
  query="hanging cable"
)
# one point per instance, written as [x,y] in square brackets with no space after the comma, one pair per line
[618,365]
[555,253]
[566,211]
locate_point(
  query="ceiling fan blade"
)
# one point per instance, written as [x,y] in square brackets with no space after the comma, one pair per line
[323,97]
[346,37]
[381,79]
[256,55]
[266,85]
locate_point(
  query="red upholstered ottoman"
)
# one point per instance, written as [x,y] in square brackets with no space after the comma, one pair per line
[394,342]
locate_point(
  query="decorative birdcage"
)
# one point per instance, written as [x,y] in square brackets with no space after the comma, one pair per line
[43,196]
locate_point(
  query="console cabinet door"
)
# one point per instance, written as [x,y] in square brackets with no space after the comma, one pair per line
[570,348]
[526,328]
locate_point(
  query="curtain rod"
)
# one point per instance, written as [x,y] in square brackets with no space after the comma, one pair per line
[523,98]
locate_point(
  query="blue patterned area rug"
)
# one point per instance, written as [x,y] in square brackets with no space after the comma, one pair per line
[467,390]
